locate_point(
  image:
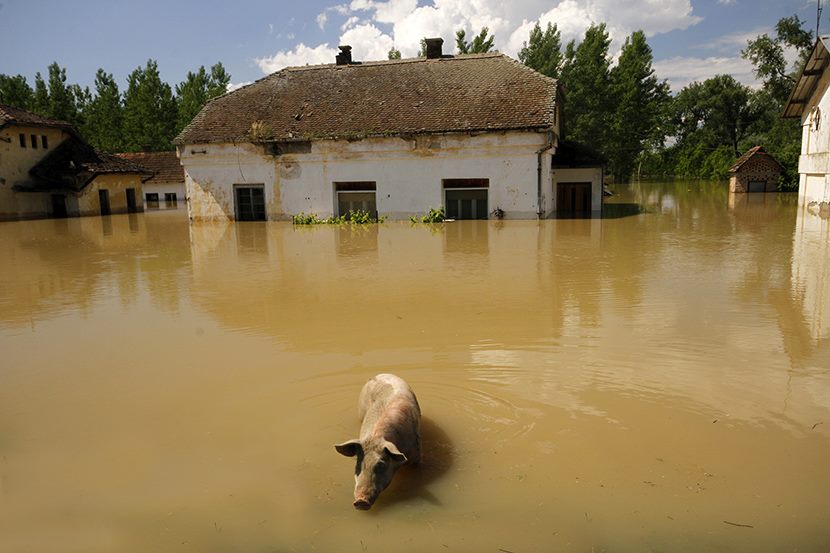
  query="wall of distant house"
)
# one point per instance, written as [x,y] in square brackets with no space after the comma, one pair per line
[758,168]
[16,158]
[407,173]
[814,162]
[580,174]
[116,185]
[162,189]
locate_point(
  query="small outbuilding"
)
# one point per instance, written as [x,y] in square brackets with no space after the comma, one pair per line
[755,171]
[165,189]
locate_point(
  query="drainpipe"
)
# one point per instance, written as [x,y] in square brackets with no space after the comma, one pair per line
[548,145]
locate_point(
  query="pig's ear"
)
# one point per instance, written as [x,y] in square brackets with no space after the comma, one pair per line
[349,449]
[393,451]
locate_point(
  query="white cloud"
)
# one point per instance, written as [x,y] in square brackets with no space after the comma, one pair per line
[322,17]
[350,22]
[234,86]
[368,42]
[300,55]
[680,71]
[727,2]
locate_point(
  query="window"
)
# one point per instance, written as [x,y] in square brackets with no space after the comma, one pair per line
[250,203]
[170,199]
[34,142]
[757,186]
[152,199]
[466,198]
[22,140]
[354,196]
[104,201]
[44,142]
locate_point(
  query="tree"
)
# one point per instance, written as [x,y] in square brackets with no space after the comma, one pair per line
[149,111]
[40,99]
[104,116]
[481,42]
[585,72]
[394,54]
[61,104]
[543,50]
[640,100]
[195,91]
[15,91]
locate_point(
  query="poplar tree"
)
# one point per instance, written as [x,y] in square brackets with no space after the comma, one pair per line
[15,91]
[585,72]
[543,50]
[195,91]
[480,44]
[40,99]
[149,111]
[61,103]
[105,115]
[640,100]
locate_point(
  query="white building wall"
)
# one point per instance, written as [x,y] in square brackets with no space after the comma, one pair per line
[408,174]
[162,188]
[814,161]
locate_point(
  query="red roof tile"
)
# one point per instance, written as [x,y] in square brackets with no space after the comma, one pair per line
[756,150]
[165,166]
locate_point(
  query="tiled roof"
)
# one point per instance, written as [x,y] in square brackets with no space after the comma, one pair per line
[467,93]
[756,150]
[73,165]
[809,79]
[165,166]
[10,115]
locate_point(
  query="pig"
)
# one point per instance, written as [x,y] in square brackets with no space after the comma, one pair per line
[390,436]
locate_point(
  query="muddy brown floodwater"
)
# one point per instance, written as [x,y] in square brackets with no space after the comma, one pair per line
[658,380]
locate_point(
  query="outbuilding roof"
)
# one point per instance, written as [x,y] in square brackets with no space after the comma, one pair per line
[73,165]
[165,166]
[11,115]
[808,81]
[467,93]
[749,154]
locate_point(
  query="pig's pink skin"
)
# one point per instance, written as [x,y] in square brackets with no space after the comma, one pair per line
[390,435]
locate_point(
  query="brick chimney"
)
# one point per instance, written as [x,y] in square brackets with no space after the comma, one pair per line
[434,47]
[345,55]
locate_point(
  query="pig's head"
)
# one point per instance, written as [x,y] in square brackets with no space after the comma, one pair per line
[377,462]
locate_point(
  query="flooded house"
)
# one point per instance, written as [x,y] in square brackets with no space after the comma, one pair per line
[809,101]
[47,170]
[165,189]
[475,134]
[755,171]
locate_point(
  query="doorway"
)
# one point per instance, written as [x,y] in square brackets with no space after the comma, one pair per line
[59,206]
[131,207]
[573,198]
[250,203]
[104,201]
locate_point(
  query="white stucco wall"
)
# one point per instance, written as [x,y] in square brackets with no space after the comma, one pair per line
[408,174]
[814,161]
[162,188]
[587,174]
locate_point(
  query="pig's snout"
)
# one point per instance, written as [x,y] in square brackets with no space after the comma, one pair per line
[362,505]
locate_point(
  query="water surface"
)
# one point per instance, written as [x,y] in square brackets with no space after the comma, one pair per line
[656,380]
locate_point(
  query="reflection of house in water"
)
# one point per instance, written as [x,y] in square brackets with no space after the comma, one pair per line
[47,170]
[810,287]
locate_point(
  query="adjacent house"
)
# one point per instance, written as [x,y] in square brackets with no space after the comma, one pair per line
[809,101]
[474,134]
[47,170]
[755,171]
[165,189]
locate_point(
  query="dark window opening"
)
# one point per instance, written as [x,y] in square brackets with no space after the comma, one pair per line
[104,201]
[170,199]
[356,196]
[34,141]
[22,140]
[466,183]
[250,203]
[131,204]
[59,206]
[573,198]
[466,198]
[44,142]
[152,199]
[757,186]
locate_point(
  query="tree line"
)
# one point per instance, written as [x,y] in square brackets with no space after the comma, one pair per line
[147,116]
[622,110]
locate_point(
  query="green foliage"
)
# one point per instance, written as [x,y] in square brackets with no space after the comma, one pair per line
[105,115]
[543,50]
[394,54]
[40,99]
[480,44]
[15,91]
[61,103]
[638,113]
[356,217]
[434,216]
[586,74]
[195,91]
[150,111]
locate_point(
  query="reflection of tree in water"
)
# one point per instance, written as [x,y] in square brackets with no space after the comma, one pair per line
[55,265]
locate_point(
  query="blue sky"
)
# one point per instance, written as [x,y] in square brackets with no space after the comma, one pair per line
[691,39]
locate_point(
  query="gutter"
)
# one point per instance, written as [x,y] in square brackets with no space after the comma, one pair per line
[548,145]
